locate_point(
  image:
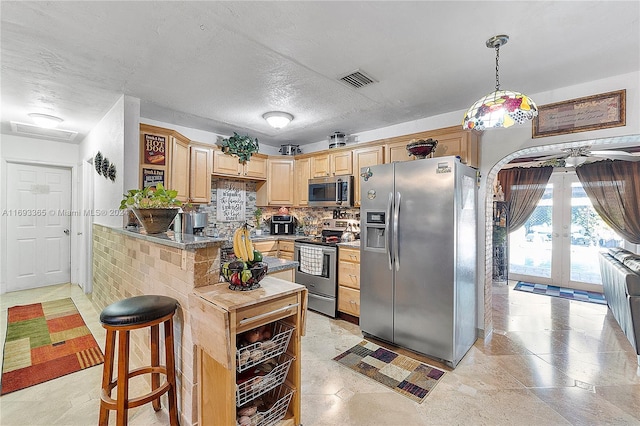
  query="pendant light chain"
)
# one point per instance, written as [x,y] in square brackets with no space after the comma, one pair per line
[497,58]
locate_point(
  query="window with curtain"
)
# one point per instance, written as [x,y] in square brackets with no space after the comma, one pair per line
[523,188]
[613,187]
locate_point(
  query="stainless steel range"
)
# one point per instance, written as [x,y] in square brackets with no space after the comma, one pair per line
[318,264]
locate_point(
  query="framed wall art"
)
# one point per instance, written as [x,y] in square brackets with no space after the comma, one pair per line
[580,115]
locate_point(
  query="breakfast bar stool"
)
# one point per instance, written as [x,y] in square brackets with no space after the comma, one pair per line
[122,317]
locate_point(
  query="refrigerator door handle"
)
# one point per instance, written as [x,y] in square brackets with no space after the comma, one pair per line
[387,238]
[396,218]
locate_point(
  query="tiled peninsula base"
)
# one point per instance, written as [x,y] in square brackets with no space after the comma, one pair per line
[127,264]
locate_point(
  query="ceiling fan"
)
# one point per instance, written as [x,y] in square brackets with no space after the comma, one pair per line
[575,156]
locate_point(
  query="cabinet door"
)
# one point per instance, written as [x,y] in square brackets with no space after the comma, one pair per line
[301,182]
[256,168]
[179,167]
[224,164]
[200,174]
[280,182]
[397,151]
[320,166]
[341,163]
[364,157]
[461,143]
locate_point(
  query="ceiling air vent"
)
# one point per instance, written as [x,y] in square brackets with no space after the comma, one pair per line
[31,130]
[357,79]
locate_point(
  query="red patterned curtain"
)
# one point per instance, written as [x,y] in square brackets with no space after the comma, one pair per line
[523,188]
[614,190]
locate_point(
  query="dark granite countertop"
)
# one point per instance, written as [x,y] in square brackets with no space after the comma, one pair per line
[171,239]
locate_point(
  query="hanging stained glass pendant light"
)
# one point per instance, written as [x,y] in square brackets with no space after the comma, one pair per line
[501,108]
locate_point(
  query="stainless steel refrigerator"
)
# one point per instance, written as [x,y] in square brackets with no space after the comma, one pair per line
[418,256]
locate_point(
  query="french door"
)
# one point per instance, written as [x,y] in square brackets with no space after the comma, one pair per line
[559,243]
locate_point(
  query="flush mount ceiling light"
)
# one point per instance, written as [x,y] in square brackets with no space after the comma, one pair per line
[45,121]
[278,119]
[502,108]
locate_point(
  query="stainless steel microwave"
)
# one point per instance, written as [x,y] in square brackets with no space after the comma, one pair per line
[334,191]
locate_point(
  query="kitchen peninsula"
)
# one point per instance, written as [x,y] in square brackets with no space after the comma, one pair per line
[130,263]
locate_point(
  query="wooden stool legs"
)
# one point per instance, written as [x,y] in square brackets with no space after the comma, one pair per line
[122,403]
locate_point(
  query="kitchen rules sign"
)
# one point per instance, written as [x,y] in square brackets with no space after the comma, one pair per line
[230,204]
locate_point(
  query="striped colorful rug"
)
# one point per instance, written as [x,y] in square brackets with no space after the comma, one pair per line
[565,293]
[404,375]
[45,341]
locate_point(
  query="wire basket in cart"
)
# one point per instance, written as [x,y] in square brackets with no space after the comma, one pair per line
[271,416]
[260,384]
[256,353]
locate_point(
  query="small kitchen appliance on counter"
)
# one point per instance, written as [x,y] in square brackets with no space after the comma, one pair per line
[317,259]
[194,222]
[283,225]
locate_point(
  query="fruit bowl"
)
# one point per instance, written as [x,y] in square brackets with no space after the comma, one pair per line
[243,276]
[421,148]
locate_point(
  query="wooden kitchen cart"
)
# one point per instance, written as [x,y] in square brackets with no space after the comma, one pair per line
[218,316]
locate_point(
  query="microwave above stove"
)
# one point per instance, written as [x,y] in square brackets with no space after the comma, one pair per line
[334,191]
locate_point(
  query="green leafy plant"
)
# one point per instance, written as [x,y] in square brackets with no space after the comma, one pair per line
[241,146]
[257,213]
[148,198]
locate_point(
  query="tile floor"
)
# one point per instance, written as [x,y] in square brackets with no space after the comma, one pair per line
[550,361]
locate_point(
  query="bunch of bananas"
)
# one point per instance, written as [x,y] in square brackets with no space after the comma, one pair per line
[242,245]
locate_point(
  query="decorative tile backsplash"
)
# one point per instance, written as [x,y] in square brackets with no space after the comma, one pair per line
[310,217]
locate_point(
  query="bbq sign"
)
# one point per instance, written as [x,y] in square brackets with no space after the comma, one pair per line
[154,149]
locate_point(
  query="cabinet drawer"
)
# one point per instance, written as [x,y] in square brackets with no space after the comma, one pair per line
[286,245]
[264,246]
[349,274]
[266,312]
[273,253]
[349,301]
[285,255]
[349,254]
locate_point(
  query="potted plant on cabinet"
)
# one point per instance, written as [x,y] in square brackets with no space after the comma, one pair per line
[241,146]
[155,209]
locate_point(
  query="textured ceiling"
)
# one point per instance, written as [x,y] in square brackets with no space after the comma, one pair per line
[218,66]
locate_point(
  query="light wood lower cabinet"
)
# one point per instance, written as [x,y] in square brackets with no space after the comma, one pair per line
[267,247]
[349,280]
[285,249]
[219,316]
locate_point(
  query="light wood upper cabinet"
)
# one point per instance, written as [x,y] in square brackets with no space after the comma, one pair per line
[331,164]
[397,151]
[228,165]
[224,164]
[341,163]
[179,166]
[451,141]
[278,189]
[364,157]
[201,162]
[461,143]
[256,168]
[320,166]
[302,171]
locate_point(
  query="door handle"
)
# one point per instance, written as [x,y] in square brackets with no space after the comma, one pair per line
[386,230]
[66,231]
[396,218]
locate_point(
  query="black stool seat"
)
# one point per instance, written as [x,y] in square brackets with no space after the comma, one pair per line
[137,310]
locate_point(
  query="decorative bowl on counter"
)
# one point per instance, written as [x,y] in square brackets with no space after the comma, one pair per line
[421,148]
[242,276]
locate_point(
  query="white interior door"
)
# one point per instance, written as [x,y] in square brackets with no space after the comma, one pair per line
[38,226]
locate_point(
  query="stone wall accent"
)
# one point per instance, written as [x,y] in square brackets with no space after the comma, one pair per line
[126,266]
